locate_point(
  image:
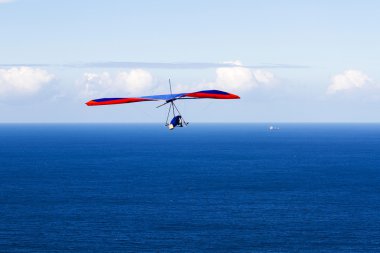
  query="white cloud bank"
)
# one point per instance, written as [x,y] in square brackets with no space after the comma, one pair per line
[139,82]
[134,82]
[238,79]
[349,80]
[23,80]
[242,79]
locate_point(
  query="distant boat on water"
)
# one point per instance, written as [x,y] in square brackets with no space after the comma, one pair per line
[273,128]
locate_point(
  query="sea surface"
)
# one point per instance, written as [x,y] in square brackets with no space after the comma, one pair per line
[204,188]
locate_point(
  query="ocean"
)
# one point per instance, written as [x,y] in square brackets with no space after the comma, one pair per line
[203,188]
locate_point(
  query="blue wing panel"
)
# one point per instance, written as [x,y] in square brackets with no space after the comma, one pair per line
[165,96]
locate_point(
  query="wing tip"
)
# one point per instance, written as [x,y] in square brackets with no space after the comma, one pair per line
[233,96]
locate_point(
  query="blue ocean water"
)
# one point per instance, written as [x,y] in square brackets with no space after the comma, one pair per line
[205,188]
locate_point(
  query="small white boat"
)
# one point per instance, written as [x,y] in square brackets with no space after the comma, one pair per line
[273,128]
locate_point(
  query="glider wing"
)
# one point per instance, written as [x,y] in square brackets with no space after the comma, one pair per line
[215,94]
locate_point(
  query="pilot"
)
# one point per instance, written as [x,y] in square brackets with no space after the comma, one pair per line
[176,121]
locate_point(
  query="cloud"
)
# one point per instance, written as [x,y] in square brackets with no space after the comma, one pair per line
[238,79]
[264,77]
[134,82]
[349,80]
[5,1]
[23,80]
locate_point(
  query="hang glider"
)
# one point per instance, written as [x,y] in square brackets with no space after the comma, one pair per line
[169,99]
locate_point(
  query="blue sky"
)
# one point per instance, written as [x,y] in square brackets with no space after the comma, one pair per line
[329,52]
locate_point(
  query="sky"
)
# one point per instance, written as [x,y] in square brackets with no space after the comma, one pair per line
[289,61]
